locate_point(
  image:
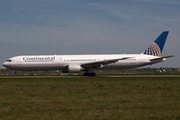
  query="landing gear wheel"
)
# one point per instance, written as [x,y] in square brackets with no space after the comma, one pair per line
[89,74]
[92,74]
[85,74]
[15,73]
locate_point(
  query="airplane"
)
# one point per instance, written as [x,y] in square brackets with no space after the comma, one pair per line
[87,63]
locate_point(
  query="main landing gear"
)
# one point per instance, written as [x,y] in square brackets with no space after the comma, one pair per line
[89,74]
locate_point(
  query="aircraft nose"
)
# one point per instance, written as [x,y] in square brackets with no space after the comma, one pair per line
[5,64]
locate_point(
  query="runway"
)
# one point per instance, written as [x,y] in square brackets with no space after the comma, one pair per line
[105,76]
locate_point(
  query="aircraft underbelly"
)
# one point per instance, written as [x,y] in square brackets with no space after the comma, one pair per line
[35,67]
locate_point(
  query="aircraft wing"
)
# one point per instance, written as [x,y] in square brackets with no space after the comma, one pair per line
[161,58]
[101,63]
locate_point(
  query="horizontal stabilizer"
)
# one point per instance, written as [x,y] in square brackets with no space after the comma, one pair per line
[161,58]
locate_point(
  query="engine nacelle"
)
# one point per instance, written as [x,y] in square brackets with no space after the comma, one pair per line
[74,68]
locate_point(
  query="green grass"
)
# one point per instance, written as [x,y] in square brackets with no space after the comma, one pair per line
[90,98]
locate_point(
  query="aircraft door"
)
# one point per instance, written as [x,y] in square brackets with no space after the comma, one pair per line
[59,60]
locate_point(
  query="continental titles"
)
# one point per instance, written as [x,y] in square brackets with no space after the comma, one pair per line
[38,59]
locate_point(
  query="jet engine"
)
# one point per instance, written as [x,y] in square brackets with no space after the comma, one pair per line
[74,68]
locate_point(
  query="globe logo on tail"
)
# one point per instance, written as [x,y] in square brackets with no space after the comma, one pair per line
[153,49]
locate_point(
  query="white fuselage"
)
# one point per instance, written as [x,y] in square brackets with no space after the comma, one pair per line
[60,62]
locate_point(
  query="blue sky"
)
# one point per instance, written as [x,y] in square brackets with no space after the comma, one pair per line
[35,27]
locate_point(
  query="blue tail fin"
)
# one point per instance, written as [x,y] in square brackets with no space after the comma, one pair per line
[157,46]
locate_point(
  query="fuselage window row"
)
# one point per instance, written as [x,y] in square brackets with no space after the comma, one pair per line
[84,60]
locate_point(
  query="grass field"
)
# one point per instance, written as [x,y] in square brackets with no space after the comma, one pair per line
[90,98]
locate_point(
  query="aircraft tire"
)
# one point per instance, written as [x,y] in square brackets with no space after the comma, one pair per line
[89,74]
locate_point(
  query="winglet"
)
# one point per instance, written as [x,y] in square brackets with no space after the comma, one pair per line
[157,46]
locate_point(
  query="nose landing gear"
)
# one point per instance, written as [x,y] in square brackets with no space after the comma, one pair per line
[15,73]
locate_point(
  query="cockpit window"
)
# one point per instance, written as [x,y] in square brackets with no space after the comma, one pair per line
[8,60]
